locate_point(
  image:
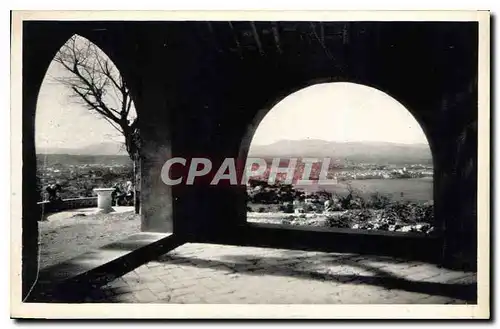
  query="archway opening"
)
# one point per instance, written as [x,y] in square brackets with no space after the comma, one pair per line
[342,155]
[85,133]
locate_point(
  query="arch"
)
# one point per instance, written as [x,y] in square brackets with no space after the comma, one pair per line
[40,46]
[38,52]
[122,51]
[398,106]
[399,79]
[290,90]
[95,68]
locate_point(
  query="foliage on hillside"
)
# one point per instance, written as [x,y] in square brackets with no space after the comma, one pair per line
[79,181]
[376,212]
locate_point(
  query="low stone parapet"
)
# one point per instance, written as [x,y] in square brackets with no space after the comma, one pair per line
[68,204]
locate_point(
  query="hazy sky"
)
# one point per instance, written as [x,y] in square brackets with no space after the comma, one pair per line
[63,122]
[60,122]
[339,112]
[333,111]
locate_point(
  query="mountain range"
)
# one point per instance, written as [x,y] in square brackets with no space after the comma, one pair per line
[372,152]
[105,148]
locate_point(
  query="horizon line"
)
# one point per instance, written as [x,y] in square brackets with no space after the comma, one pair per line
[252,144]
[337,141]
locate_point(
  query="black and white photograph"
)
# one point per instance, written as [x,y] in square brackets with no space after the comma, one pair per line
[296,162]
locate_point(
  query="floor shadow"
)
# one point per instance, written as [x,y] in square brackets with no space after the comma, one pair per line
[302,266]
[71,280]
[296,267]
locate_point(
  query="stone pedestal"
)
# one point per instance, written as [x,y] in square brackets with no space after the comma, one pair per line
[104,200]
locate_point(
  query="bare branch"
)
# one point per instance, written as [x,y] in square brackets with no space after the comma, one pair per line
[96,83]
[129,105]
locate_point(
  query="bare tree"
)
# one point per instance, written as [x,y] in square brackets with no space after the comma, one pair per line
[96,83]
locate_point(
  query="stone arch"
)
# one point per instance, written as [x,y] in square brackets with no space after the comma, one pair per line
[40,44]
[283,93]
[264,111]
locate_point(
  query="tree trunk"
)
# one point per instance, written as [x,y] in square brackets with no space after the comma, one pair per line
[137,184]
[132,143]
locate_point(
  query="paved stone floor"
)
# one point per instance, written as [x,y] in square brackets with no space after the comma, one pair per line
[205,273]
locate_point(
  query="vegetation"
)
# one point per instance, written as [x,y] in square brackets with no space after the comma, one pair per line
[353,210]
[80,180]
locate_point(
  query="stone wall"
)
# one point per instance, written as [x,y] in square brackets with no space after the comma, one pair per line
[68,204]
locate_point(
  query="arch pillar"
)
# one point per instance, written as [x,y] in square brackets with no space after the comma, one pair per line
[156,148]
[30,211]
[39,47]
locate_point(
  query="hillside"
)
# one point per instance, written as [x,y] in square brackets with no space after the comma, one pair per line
[51,160]
[367,152]
[106,153]
[105,148]
[371,152]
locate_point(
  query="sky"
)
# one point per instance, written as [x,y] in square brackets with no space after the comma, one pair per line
[62,122]
[342,112]
[331,111]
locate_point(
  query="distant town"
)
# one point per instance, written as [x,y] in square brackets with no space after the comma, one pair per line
[79,175]
[348,170]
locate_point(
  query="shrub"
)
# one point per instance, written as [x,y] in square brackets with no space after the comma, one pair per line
[424,213]
[379,201]
[356,203]
[324,195]
[286,208]
[345,201]
[363,215]
[308,207]
[409,212]
[338,221]
[352,200]
[357,216]
[401,211]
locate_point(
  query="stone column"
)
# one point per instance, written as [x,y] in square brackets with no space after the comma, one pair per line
[104,200]
[155,195]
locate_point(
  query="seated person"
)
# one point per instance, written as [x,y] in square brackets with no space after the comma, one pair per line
[52,191]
